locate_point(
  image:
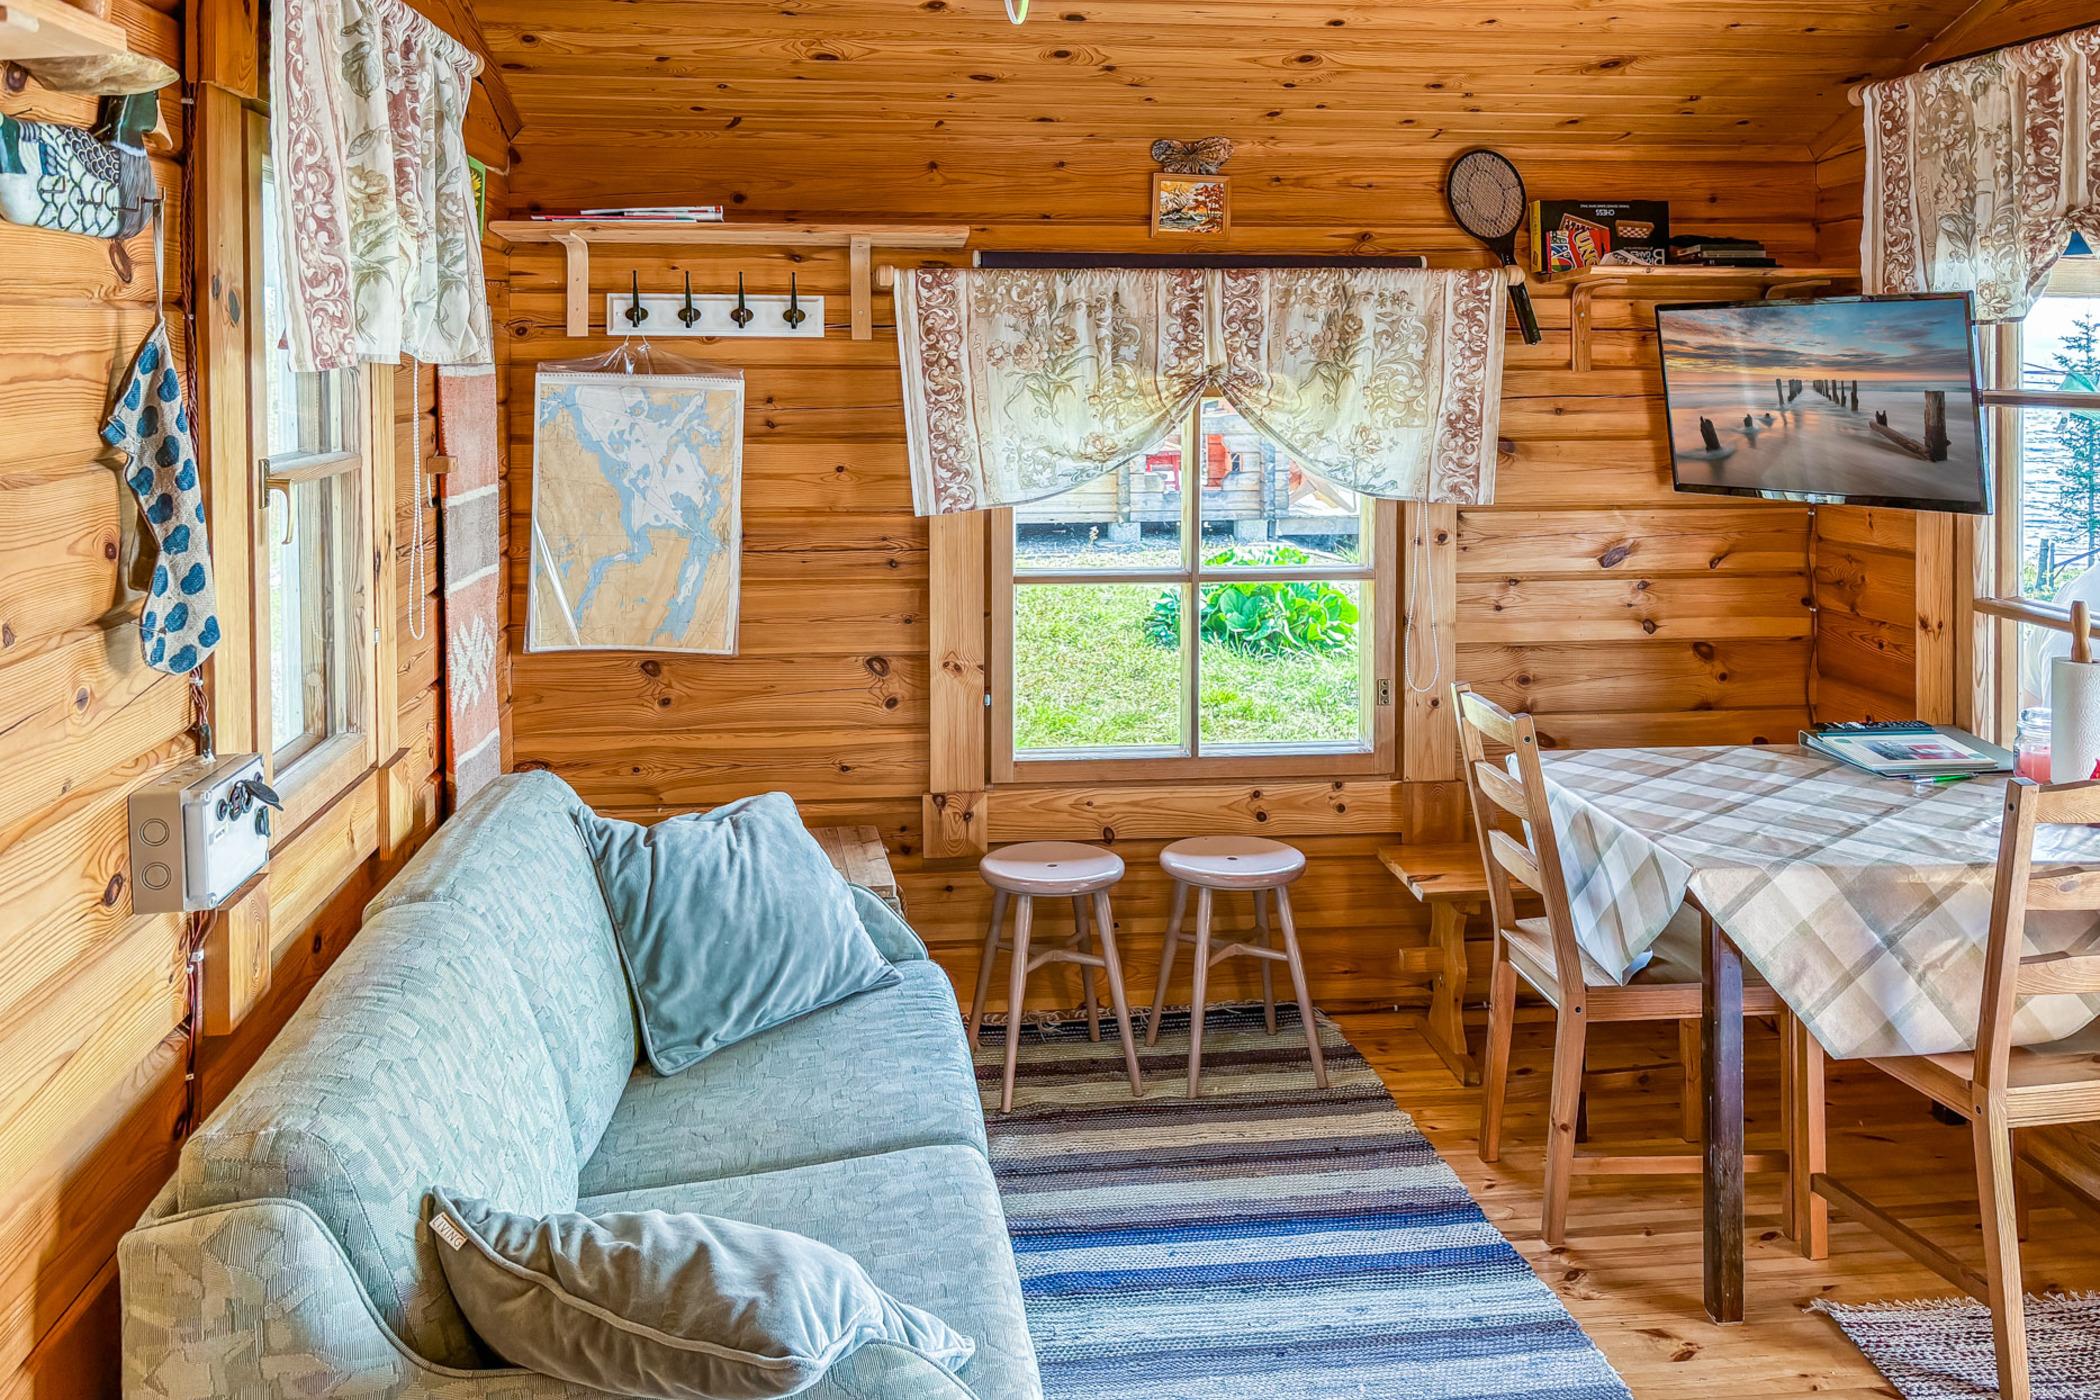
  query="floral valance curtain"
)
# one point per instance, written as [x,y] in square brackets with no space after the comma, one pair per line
[1978,172]
[381,233]
[1021,384]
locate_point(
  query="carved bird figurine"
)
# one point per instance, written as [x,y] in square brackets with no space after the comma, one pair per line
[1204,157]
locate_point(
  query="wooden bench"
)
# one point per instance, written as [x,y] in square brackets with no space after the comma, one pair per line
[1449,880]
[859,855]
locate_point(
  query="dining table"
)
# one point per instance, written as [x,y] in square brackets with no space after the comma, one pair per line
[1864,901]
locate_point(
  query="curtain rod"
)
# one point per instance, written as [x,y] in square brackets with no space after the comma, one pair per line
[1234,261]
[1856,94]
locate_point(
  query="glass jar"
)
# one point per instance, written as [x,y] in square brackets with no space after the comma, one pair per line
[2031,745]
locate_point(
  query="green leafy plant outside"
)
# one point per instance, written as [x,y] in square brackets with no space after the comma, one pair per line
[1277,617]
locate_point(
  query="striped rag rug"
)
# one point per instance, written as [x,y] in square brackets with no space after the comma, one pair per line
[1942,1349]
[1269,1239]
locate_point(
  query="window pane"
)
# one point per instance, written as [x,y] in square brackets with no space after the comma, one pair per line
[1282,663]
[2060,450]
[1128,519]
[1260,506]
[305,704]
[307,412]
[1097,666]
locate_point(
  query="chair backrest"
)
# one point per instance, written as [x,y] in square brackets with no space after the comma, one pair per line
[1514,824]
[2009,973]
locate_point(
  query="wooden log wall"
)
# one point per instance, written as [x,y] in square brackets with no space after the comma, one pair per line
[91,994]
[1616,609]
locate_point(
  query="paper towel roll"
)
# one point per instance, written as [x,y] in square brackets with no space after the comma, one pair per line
[2074,719]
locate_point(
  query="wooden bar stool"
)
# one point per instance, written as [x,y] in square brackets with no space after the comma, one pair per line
[1053,870]
[1224,863]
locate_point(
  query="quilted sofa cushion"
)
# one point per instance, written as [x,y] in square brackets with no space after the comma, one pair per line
[885,1070]
[416,1059]
[514,858]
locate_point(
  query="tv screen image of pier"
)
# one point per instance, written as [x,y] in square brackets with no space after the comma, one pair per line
[1862,398]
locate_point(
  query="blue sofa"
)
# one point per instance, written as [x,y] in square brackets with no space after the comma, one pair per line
[478,1035]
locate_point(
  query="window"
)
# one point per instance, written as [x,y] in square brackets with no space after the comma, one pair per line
[312,632]
[2045,426]
[1211,602]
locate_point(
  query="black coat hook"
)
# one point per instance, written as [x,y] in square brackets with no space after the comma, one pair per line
[691,313]
[637,313]
[743,315]
[794,315]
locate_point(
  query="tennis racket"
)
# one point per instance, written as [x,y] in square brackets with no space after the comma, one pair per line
[1486,196]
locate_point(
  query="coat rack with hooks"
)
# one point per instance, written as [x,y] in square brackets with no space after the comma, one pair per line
[577,237]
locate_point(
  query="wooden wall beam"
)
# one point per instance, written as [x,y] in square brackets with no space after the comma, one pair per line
[1939,649]
[227,257]
[1429,643]
[957,772]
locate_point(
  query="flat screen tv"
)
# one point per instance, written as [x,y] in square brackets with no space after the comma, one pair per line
[1837,400]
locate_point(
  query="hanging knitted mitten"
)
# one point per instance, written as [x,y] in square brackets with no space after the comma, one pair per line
[180,624]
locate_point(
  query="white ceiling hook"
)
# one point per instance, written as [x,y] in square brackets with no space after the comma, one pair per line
[1017,10]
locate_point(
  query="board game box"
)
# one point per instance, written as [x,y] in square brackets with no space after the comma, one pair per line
[1567,234]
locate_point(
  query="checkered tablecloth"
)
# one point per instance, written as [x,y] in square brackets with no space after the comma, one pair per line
[1865,902]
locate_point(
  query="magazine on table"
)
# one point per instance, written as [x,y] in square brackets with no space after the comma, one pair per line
[1908,750]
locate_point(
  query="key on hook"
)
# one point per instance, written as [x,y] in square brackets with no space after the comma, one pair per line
[794,315]
[636,313]
[691,313]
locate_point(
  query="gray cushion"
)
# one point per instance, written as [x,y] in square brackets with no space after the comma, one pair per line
[512,856]
[730,922]
[670,1304]
[878,1072]
[927,1226]
[416,1059]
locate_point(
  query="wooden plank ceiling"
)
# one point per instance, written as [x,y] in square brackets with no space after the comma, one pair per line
[899,88]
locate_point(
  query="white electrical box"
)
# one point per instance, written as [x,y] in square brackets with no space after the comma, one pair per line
[198,833]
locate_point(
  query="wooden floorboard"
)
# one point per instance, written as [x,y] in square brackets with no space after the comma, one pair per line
[1630,1272]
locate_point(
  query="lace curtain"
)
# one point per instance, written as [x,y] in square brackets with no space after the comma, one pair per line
[1978,172]
[1023,384]
[381,235]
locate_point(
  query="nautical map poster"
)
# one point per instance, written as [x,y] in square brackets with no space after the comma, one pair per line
[637,530]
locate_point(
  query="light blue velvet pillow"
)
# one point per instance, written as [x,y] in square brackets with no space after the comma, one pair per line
[686,1307]
[729,923]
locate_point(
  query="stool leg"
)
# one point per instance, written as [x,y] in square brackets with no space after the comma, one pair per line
[1085,944]
[1166,962]
[984,969]
[1202,985]
[1016,992]
[1105,927]
[1297,966]
[1268,969]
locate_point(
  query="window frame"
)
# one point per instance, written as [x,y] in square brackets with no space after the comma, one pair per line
[314,777]
[1377,631]
[1996,576]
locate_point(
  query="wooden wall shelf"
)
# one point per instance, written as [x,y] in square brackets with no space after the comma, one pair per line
[1687,280]
[576,237]
[53,29]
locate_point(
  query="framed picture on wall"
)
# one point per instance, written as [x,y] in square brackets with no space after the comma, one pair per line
[1197,206]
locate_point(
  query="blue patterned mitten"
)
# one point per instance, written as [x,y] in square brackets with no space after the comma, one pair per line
[180,624]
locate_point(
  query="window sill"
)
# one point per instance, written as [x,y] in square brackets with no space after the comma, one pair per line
[319,777]
[1354,761]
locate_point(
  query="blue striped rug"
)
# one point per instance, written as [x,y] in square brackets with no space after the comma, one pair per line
[1268,1239]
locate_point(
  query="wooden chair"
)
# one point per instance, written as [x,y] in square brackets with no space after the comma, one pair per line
[2002,1088]
[1515,831]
